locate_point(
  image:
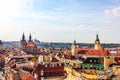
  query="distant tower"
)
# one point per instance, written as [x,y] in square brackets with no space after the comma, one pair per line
[74,48]
[1,46]
[23,42]
[23,37]
[30,38]
[97,44]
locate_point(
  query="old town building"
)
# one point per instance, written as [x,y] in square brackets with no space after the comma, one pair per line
[30,47]
[49,70]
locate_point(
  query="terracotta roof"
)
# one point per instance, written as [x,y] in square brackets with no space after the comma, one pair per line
[94,52]
[31,45]
[28,76]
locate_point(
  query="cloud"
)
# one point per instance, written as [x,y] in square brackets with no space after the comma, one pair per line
[115,11]
[10,9]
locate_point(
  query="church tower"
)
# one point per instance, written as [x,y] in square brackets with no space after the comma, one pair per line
[74,48]
[97,45]
[30,38]
[23,42]
[1,46]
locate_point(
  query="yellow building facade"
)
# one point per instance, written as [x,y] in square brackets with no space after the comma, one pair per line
[107,61]
[74,75]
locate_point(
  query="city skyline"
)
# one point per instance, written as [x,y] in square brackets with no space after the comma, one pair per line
[60,21]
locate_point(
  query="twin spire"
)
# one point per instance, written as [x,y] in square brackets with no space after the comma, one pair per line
[30,37]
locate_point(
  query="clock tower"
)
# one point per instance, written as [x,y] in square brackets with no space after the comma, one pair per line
[74,48]
[97,45]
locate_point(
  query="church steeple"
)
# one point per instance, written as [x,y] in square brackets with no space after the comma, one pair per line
[23,37]
[74,42]
[0,42]
[23,42]
[97,38]
[74,48]
[97,44]
[30,38]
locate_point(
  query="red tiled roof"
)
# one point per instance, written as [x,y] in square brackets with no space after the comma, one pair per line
[28,76]
[94,52]
[31,45]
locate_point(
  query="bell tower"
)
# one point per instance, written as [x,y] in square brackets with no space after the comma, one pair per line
[74,48]
[97,44]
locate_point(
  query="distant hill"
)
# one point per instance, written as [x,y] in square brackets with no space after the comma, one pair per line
[11,44]
[16,44]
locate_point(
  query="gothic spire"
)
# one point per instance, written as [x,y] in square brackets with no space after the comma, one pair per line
[97,38]
[23,37]
[30,37]
[0,42]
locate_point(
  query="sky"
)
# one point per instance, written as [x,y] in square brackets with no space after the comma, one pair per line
[60,20]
